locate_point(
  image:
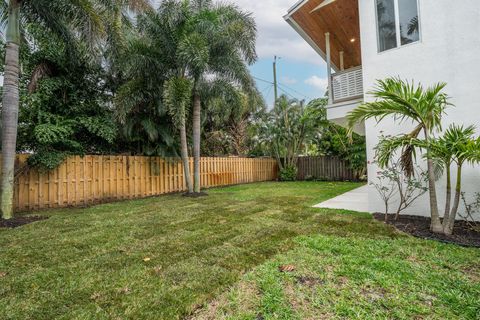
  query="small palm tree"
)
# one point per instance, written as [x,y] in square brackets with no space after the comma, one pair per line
[424,107]
[455,146]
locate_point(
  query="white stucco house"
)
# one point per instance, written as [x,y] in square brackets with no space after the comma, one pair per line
[428,41]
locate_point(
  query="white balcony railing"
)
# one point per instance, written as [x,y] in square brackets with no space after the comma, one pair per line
[347,85]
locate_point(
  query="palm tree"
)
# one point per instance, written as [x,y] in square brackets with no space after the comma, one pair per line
[227,118]
[455,146]
[157,82]
[177,99]
[424,107]
[47,14]
[221,41]
[10,104]
[72,21]
[443,157]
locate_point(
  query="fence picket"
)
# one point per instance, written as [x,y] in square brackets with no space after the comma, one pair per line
[94,179]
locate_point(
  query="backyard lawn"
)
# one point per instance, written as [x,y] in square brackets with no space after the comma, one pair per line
[219,257]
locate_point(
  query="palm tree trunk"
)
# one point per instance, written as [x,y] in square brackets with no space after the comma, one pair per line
[456,202]
[10,105]
[185,159]
[436,224]
[448,199]
[196,142]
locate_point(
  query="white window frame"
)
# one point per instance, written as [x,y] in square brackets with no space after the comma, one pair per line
[397,27]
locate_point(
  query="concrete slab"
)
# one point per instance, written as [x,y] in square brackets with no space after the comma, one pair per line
[355,200]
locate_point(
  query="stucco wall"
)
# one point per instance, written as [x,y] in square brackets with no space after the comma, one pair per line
[449,51]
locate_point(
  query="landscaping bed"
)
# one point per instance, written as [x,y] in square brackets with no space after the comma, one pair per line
[419,227]
[20,221]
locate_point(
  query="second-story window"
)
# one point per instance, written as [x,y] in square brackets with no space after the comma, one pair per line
[397,23]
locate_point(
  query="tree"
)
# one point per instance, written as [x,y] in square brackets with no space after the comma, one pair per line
[177,99]
[153,101]
[67,111]
[228,121]
[386,187]
[288,127]
[221,40]
[73,22]
[409,102]
[457,146]
[333,140]
[53,15]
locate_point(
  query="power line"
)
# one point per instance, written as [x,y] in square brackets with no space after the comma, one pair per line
[269,90]
[287,93]
[285,88]
[263,80]
[298,92]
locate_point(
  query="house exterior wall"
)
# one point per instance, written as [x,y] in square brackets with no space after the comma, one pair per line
[448,51]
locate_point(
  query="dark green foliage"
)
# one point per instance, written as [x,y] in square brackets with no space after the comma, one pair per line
[289,127]
[334,141]
[228,124]
[288,173]
[64,107]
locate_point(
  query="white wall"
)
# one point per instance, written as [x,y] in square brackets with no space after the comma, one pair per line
[449,51]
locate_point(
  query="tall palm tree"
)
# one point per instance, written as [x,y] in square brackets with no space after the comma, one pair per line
[156,66]
[52,15]
[72,21]
[424,107]
[177,98]
[10,104]
[221,43]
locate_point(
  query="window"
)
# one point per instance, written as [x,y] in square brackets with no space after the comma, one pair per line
[397,23]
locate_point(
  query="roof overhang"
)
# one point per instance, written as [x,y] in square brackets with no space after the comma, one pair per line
[312,19]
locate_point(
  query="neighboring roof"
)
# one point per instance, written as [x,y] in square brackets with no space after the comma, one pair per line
[340,19]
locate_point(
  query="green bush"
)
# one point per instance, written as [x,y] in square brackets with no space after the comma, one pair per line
[289,173]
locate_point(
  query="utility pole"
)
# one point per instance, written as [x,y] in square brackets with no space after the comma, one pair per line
[275,85]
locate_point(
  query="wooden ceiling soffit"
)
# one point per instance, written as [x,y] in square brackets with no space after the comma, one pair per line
[341,19]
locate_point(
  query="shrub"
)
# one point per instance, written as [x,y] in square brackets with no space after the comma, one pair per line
[289,173]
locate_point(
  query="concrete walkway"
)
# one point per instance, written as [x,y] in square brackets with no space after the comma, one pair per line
[355,200]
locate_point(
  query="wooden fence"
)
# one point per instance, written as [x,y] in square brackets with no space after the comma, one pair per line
[324,168]
[81,181]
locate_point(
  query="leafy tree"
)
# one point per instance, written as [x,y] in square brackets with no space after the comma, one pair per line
[407,102]
[228,122]
[288,127]
[334,141]
[67,112]
[64,18]
[75,23]
[148,61]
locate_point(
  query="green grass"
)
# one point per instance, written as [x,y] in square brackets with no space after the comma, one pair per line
[218,257]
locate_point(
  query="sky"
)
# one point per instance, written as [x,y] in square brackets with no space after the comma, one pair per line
[301,72]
